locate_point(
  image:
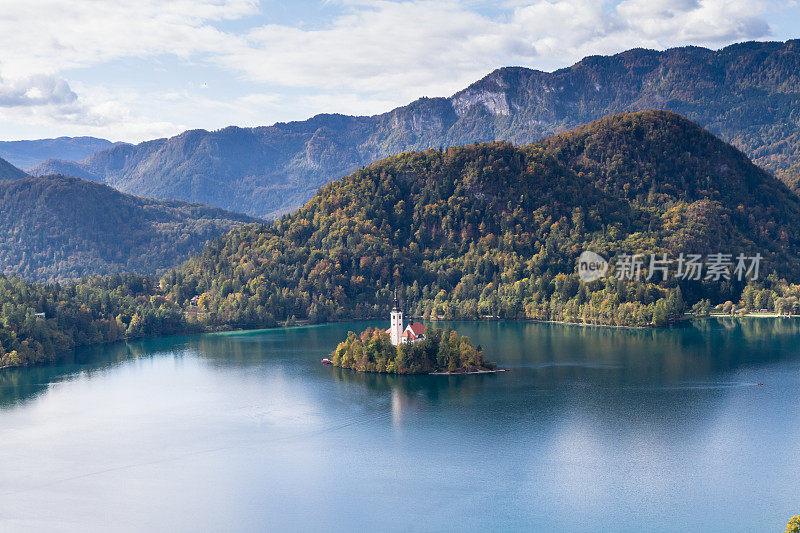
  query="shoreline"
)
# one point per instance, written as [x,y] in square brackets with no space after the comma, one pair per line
[495,371]
[584,324]
[473,372]
[749,315]
[234,331]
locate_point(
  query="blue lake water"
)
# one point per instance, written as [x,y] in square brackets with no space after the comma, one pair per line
[593,429]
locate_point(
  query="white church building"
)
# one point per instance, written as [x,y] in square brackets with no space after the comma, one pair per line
[414,332]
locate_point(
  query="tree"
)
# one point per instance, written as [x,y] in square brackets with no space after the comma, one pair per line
[728,307]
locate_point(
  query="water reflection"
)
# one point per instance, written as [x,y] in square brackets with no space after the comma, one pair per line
[22,384]
[548,355]
[591,429]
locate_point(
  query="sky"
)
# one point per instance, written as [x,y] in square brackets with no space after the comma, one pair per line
[132,71]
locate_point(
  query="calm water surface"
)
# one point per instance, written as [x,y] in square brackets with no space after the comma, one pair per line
[592,430]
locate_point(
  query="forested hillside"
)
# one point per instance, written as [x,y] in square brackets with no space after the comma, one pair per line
[747,94]
[55,228]
[495,230]
[40,322]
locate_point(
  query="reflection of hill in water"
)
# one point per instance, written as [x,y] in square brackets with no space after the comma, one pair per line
[657,382]
[700,348]
[549,362]
[23,384]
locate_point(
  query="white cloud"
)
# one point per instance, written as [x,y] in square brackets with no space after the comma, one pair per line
[42,38]
[564,31]
[709,22]
[385,47]
[36,90]
[96,112]
[369,57]
[47,36]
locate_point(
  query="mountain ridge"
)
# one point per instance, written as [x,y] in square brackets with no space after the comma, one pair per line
[32,152]
[746,93]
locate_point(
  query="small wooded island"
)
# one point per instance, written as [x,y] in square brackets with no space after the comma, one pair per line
[412,350]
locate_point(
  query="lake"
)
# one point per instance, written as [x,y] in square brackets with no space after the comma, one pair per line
[593,429]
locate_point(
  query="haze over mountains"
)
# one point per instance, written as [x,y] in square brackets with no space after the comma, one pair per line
[55,228]
[27,154]
[748,94]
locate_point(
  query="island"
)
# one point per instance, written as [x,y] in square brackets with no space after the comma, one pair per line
[410,350]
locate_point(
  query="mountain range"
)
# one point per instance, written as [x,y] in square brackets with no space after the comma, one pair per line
[29,153]
[54,228]
[747,94]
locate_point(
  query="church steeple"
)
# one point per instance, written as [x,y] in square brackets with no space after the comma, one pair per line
[396,321]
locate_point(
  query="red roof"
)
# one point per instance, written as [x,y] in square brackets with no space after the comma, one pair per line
[417,328]
[412,331]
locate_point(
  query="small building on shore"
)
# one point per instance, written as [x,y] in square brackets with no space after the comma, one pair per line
[399,334]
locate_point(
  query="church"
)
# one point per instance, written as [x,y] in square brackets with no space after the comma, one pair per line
[414,332]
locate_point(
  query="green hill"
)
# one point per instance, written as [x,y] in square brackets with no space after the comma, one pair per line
[55,228]
[492,229]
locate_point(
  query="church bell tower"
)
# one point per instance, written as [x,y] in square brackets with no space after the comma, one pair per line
[396,321]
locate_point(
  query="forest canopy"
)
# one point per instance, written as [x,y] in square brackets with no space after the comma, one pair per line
[494,230]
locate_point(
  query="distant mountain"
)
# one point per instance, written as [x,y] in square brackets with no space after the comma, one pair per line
[747,93]
[27,154]
[493,229]
[9,171]
[64,167]
[55,227]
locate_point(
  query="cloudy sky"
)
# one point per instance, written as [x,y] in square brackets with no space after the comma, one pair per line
[132,71]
